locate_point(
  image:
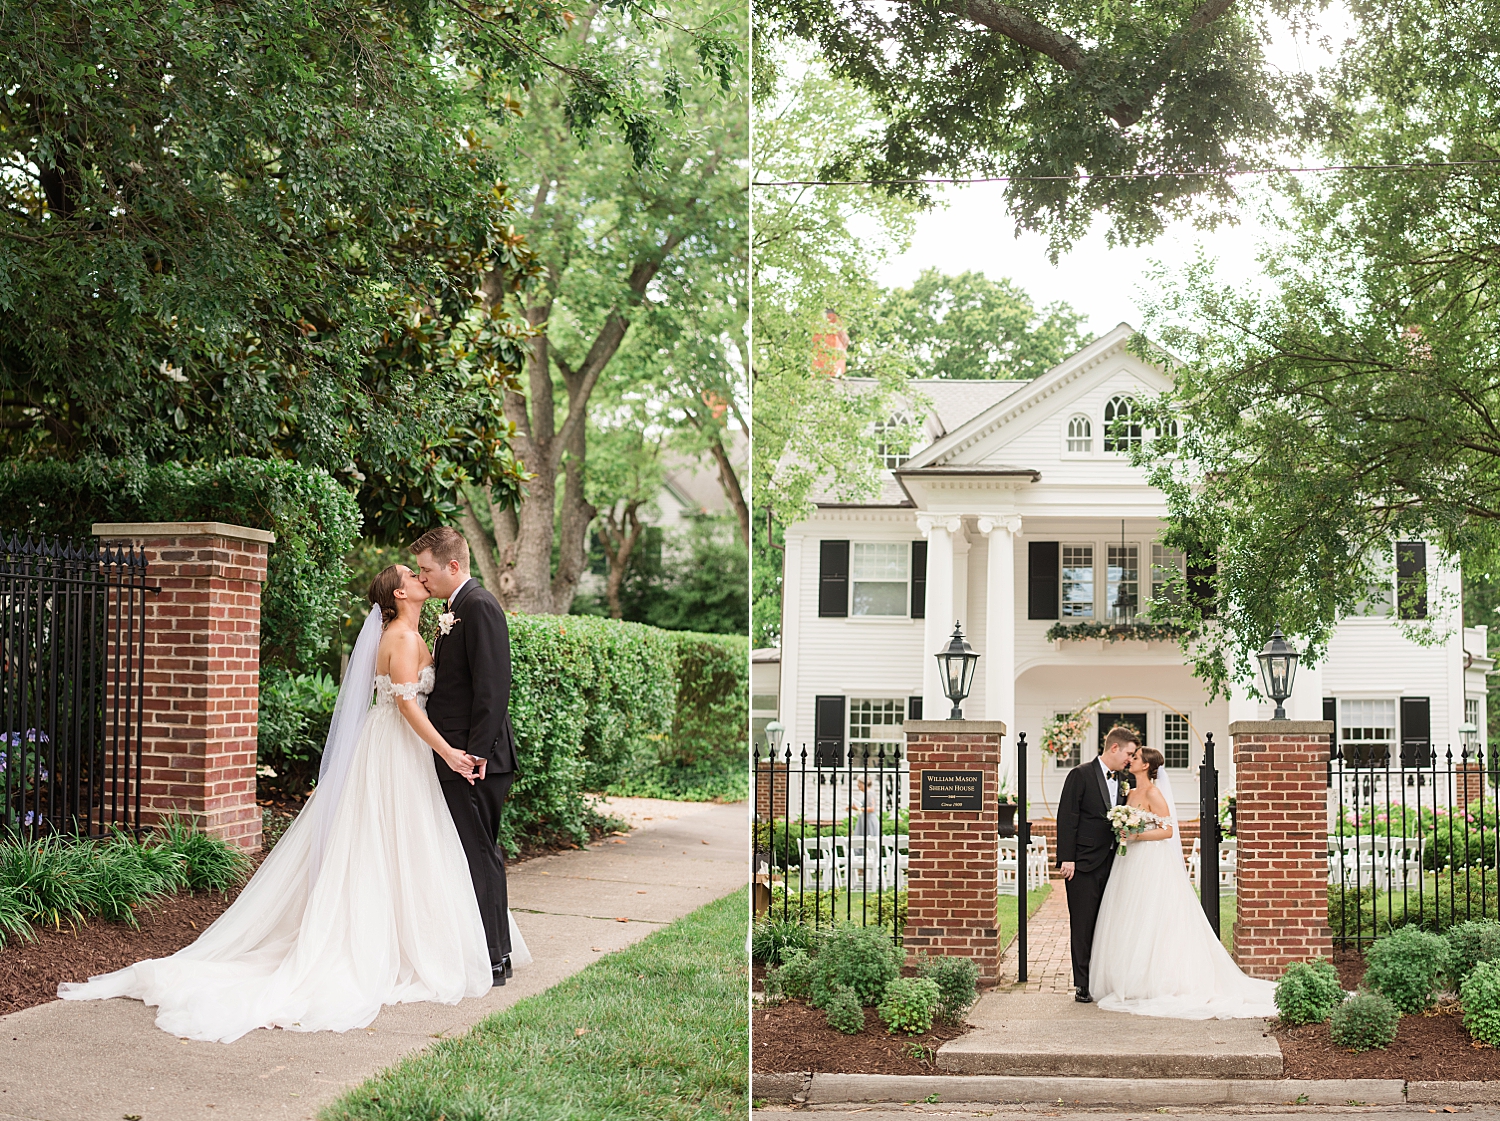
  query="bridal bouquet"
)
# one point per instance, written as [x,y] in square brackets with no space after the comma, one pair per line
[1129,820]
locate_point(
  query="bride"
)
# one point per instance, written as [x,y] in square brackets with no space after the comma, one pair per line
[366,900]
[1154,953]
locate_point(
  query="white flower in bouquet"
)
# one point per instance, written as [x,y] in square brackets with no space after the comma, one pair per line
[1127,821]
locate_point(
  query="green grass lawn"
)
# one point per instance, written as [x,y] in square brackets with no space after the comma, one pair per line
[658,1031]
[1005,913]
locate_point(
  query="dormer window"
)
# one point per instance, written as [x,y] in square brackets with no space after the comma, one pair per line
[1080,434]
[894,453]
[1122,426]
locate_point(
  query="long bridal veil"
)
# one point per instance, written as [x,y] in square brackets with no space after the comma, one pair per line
[350,712]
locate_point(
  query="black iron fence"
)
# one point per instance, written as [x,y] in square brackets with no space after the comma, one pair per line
[72,646]
[830,839]
[1412,839]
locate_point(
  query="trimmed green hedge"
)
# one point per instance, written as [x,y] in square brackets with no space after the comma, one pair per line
[315,519]
[597,705]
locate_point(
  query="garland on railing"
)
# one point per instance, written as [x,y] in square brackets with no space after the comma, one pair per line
[1117,632]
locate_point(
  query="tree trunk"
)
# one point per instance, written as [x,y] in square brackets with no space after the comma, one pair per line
[732,490]
[619,540]
[480,548]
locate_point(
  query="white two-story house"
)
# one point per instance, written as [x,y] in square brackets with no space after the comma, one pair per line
[1020,513]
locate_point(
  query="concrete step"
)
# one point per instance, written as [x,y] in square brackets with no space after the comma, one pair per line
[1051,1035]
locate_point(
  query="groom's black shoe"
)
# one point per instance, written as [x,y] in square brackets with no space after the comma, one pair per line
[509,970]
[1082,997]
[498,973]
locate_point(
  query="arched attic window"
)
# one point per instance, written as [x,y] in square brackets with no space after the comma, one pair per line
[1080,434]
[1122,427]
[894,441]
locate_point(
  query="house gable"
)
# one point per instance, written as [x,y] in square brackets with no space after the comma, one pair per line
[1018,431]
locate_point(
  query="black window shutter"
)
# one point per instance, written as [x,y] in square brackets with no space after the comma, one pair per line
[1331,714]
[1416,732]
[914,708]
[828,731]
[833,580]
[1202,582]
[919,579]
[1043,578]
[1411,579]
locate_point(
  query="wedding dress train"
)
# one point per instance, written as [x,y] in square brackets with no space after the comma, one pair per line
[374,908]
[1154,953]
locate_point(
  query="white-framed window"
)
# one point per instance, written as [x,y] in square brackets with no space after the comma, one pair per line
[1122,426]
[1471,716]
[875,731]
[1164,562]
[879,572]
[1071,759]
[896,452]
[1080,434]
[1367,731]
[1123,582]
[1078,581]
[1176,740]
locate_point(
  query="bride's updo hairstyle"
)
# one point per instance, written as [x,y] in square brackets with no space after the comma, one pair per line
[383,590]
[1153,760]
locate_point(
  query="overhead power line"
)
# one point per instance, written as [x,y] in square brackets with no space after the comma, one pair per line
[1085,177]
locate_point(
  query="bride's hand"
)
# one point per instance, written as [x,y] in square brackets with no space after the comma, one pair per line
[461,763]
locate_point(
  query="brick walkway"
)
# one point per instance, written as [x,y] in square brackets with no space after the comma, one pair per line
[1049,961]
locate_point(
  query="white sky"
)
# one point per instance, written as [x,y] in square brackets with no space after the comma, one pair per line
[972,231]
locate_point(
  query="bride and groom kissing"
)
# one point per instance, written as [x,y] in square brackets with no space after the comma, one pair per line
[389,886]
[1140,940]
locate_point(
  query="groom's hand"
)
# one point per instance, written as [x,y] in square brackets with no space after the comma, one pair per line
[1066,867]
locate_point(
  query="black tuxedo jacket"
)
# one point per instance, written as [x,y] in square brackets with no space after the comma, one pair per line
[470,701]
[1084,834]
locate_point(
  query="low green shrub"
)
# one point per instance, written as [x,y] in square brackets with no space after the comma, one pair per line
[295,711]
[862,958]
[1470,943]
[957,979]
[793,977]
[1365,1021]
[1407,965]
[1480,994]
[1308,992]
[909,1004]
[64,879]
[1444,901]
[771,938]
[844,1011]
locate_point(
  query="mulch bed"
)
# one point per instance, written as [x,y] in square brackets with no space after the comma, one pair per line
[1430,1048]
[1433,1047]
[795,1037]
[30,971]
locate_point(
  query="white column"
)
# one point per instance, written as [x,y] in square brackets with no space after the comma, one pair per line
[939,532]
[792,700]
[1000,631]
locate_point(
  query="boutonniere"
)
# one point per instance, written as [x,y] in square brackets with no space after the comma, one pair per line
[446,621]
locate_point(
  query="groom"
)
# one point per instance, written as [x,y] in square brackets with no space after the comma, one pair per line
[1086,841]
[470,706]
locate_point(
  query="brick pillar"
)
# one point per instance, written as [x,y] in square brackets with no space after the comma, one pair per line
[954,874]
[201,672]
[766,774]
[1468,782]
[1281,792]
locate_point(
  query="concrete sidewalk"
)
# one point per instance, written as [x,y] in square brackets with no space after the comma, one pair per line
[106,1060]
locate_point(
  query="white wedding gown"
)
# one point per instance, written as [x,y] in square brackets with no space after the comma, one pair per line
[1155,954]
[388,916]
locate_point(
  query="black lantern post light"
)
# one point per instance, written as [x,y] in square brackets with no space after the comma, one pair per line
[1278,666]
[956,663]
